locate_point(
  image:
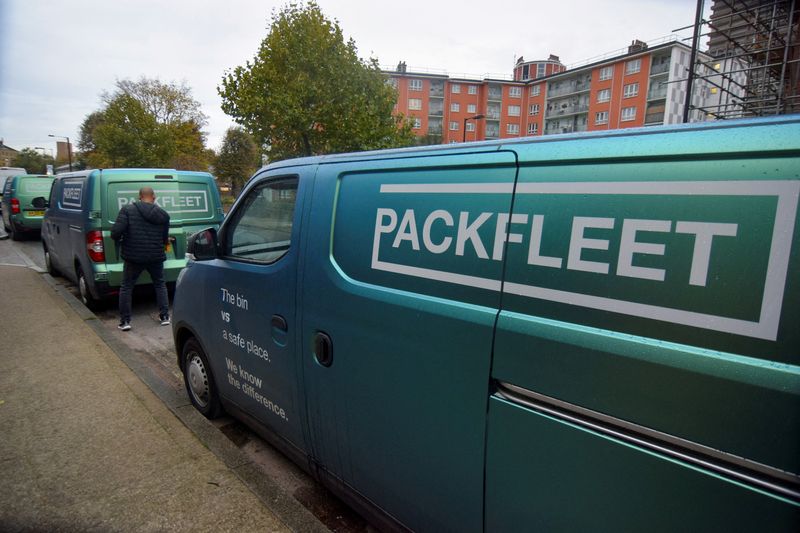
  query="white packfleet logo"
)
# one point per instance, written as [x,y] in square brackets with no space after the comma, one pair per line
[458,232]
[173,200]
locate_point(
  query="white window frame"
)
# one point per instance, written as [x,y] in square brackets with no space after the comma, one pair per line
[606,73]
[455,88]
[533,109]
[513,110]
[415,107]
[603,92]
[601,117]
[470,126]
[627,116]
[541,70]
[533,128]
[417,123]
[512,128]
[472,89]
[472,108]
[633,66]
[515,92]
[630,90]
[455,107]
[414,85]
[536,90]
[453,125]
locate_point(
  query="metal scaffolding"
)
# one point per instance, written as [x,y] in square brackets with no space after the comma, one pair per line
[752,65]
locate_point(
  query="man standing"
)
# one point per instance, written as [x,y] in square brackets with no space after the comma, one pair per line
[142,229]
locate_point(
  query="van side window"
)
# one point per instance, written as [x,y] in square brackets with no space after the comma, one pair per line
[54,194]
[262,226]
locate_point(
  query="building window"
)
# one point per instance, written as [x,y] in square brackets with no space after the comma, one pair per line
[515,92]
[604,95]
[415,85]
[533,109]
[472,89]
[606,73]
[455,88]
[512,129]
[628,113]
[602,117]
[536,90]
[471,108]
[513,110]
[630,90]
[633,66]
[392,82]
[533,128]
[453,125]
[470,126]
[417,123]
[540,70]
[415,103]
[455,107]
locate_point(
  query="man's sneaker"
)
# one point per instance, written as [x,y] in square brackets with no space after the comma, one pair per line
[164,320]
[124,325]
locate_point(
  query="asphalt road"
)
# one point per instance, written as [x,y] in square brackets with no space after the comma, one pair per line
[153,343]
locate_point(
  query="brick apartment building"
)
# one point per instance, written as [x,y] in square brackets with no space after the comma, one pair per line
[641,87]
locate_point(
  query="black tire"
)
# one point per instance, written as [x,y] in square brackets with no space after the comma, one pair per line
[48,263]
[15,233]
[199,380]
[84,293]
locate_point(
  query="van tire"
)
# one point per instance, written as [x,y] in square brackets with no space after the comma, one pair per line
[16,234]
[84,293]
[48,263]
[199,380]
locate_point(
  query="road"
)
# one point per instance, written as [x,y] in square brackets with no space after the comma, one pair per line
[154,345]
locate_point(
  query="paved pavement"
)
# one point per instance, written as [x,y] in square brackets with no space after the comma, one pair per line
[85,445]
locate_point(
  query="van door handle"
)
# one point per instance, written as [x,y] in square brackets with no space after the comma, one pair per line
[279,330]
[323,349]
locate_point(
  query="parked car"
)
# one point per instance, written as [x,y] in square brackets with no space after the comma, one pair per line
[20,216]
[82,207]
[584,332]
[6,172]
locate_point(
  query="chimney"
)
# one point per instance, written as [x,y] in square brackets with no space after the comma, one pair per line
[637,46]
[554,57]
[401,67]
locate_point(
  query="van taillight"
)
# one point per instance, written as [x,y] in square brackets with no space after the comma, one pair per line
[94,243]
[14,206]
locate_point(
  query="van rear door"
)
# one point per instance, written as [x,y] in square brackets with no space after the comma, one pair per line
[400,293]
[646,356]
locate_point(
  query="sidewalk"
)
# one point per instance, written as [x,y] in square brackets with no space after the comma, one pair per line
[85,445]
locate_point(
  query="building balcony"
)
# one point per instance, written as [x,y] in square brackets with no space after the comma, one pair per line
[436,111]
[574,128]
[659,68]
[654,118]
[657,93]
[569,89]
[562,111]
[436,93]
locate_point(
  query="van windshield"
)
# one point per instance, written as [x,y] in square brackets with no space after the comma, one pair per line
[184,201]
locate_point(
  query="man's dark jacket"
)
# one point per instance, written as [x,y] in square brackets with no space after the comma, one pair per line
[144,230]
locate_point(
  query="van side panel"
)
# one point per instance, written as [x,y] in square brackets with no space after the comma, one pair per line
[654,290]
[399,415]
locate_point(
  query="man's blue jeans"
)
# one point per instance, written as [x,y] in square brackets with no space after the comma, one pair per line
[130,274]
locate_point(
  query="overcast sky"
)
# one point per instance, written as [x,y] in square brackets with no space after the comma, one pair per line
[57,57]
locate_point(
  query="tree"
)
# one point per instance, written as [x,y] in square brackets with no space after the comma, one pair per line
[32,161]
[307,92]
[238,158]
[146,123]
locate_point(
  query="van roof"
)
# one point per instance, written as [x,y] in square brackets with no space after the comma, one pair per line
[496,145]
[113,172]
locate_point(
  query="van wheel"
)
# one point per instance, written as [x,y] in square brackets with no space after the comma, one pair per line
[48,263]
[199,381]
[16,234]
[86,296]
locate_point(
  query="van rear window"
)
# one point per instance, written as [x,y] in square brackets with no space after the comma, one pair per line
[36,186]
[183,201]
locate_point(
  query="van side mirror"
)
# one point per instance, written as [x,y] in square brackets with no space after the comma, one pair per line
[40,202]
[202,245]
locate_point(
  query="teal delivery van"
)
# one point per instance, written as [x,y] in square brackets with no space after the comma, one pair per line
[82,207]
[593,332]
[20,216]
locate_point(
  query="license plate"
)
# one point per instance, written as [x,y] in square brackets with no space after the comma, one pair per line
[35,213]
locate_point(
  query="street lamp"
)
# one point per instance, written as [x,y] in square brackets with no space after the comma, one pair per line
[69,148]
[476,117]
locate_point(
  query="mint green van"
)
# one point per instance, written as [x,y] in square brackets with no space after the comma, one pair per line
[584,332]
[20,217]
[82,207]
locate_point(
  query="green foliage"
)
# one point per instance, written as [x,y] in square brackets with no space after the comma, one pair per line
[146,123]
[238,158]
[307,92]
[32,161]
